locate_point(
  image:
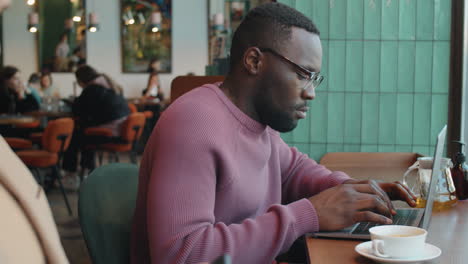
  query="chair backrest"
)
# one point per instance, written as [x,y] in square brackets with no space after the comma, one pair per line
[133,127]
[132,107]
[183,84]
[105,206]
[55,130]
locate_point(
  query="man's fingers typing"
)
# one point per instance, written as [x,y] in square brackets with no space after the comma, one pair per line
[368,216]
[373,203]
[405,193]
[383,195]
[373,188]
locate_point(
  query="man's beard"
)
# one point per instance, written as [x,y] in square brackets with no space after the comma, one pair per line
[279,119]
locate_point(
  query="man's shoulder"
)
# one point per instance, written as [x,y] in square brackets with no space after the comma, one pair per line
[199,109]
[200,102]
[202,93]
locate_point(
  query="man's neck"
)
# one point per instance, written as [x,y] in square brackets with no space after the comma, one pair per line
[240,94]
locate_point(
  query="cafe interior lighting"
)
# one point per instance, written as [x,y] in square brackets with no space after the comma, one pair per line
[30,2]
[33,21]
[77,16]
[93,22]
[128,18]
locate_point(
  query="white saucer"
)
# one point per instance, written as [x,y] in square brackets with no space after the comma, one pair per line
[430,252]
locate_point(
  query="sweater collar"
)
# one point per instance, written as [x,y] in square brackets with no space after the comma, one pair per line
[244,119]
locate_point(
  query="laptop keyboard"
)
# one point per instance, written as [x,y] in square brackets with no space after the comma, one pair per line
[403,217]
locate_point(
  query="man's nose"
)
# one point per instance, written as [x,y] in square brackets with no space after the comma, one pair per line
[309,93]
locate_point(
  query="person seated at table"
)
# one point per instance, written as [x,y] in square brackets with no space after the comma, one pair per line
[153,87]
[48,90]
[216,178]
[101,79]
[34,86]
[14,97]
[97,106]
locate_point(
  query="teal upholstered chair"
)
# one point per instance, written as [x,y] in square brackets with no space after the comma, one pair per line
[106,205]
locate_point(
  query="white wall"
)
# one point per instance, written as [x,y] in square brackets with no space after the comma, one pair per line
[189,44]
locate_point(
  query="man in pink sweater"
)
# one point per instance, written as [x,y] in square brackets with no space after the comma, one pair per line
[216,178]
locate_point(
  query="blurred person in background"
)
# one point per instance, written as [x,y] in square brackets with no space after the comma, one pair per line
[34,86]
[14,97]
[47,87]
[99,105]
[153,87]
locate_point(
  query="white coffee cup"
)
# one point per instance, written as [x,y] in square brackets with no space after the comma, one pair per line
[397,241]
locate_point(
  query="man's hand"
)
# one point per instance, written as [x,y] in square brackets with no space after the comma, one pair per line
[393,190]
[346,204]
[359,201]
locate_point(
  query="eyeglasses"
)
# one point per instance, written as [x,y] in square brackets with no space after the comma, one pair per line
[309,78]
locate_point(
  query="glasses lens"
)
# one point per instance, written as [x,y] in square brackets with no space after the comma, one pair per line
[314,82]
[317,80]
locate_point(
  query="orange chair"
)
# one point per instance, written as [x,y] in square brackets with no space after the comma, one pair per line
[131,131]
[55,141]
[133,109]
[18,143]
[36,137]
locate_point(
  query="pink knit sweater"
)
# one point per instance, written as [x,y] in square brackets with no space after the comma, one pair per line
[215,181]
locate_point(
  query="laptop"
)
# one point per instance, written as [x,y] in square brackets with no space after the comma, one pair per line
[405,216]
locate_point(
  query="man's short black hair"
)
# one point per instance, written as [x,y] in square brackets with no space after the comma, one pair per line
[268,26]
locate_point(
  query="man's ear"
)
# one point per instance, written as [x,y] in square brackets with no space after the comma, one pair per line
[253,60]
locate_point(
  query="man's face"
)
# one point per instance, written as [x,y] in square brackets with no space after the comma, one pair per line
[4,4]
[281,100]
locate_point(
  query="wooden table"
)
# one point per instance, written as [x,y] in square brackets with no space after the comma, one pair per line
[448,230]
[15,119]
[49,114]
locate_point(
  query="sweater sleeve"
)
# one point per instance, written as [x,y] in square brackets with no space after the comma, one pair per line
[181,226]
[302,176]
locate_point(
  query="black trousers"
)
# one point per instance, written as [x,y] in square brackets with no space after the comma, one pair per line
[78,144]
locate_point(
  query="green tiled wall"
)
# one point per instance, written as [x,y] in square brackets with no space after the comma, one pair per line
[386,65]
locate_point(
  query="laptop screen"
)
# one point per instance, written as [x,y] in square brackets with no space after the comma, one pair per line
[436,171]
